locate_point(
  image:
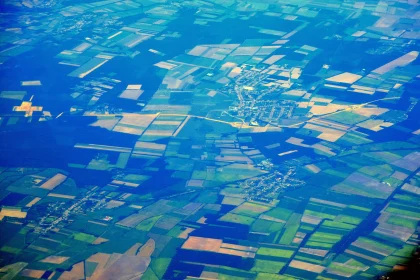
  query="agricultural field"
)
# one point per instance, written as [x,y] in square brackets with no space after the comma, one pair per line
[147,139]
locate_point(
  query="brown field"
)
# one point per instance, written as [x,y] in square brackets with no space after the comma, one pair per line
[186,233]
[147,249]
[125,267]
[32,273]
[133,250]
[101,259]
[306,266]
[77,272]
[62,195]
[11,212]
[54,259]
[54,182]
[99,240]
[33,201]
[202,244]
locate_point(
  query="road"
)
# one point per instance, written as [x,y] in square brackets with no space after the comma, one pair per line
[243,125]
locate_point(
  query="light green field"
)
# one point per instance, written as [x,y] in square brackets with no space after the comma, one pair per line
[11,250]
[266,226]
[308,259]
[359,208]
[343,269]
[319,214]
[353,139]
[159,266]
[406,197]
[269,276]
[401,221]
[402,212]
[280,213]
[376,244]
[349,219]
[319,244]
[234,218]
[405,251]
[80,236]
[289,234]
[149,274]
[250,209]
[325,237]
[339,225]
[345,117]
[147,224]
[273,252]
[392,260]
[268,266]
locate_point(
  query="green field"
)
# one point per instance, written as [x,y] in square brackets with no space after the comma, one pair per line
[319,244]
[80,236]
[267,266]
[147,224]
[234,218]
[289,234]
[348,118]
[338,225]
[159,266]
[250,209]
[326,237]
[401,221]
[270,276]
[392,260]
[343,269]
[280,213]
[349,219]
[273,252]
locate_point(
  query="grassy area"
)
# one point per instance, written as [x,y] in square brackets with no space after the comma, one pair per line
[392,260]
[359,208]
[233,218]
[289,234]
[147,224]
[319,214]
[268,266]
[270,276]
[406,197]
[343,269]
[404,222]
[405,251]
[80,236]
[279,213]
[308,259]
[274,252]
[339,225]
[229,277]
[319,244]
[159,266]
[336,173]
[353,262]
[325,237]
[11,250]
[376,244]
[350,219]
[250,209]
[348,118]
[353,139]
[150,275]
[402,212]
[266,226]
